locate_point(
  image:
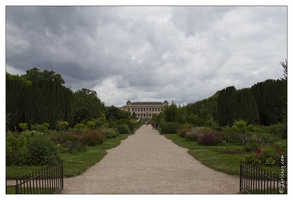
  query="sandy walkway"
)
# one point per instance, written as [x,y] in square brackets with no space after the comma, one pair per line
[148,163]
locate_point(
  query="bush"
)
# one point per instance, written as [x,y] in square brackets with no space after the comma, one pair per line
[92,138]
[128,123]
[69,136]
[269,155]
[194,133]
[229,137]
[71,147]
[182,131]
[122,129]
[208,139]
[110,133]
[170,128]
[42,128]
[279,130]
[15,149]
[42,151]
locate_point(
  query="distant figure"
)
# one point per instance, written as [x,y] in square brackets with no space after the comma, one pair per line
[153,126]
[156,125]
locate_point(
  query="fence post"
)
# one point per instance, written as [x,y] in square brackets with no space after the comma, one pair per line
[240,189]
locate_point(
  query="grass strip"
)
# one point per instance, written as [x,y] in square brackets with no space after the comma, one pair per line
[74,163]
[212,157]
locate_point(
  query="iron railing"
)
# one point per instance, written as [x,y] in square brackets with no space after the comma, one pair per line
[254,180]
[48,180]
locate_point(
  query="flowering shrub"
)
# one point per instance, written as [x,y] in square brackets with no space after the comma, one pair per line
[267,155]
[208,139]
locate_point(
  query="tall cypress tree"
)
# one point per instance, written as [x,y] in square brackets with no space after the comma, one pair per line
[224,108]
[243,106]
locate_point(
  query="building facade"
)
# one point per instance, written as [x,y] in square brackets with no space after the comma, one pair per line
[144,110]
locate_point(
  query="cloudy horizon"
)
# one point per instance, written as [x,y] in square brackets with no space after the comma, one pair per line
[149,53]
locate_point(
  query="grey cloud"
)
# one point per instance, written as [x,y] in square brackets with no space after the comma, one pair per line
[139,53]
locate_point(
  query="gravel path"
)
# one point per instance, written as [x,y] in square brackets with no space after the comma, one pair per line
[148,163]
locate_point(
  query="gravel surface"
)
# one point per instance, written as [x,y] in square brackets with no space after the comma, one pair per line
[149,163]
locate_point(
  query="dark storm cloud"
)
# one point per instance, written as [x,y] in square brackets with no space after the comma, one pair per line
[154,53]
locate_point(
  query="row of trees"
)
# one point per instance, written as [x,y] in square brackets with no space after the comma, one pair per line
[262,104]
[39,97]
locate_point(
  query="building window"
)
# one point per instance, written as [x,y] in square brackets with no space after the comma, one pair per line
[135,109]
[152,109]
[132,109]
[128,109]
[143,109]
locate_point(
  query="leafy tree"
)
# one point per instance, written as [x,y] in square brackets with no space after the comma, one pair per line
[171,113]
[35,74]
[86,105]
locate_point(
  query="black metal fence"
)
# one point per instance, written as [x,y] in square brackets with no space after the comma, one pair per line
[254,180]
[48,180]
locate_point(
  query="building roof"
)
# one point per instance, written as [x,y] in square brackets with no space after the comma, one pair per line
[146,103]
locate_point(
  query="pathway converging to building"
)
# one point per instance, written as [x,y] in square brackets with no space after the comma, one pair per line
[149,163]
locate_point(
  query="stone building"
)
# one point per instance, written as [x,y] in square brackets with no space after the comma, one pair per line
[144,110]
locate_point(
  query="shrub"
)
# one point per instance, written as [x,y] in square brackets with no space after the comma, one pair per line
[90,124]
[122,129]
[110,133]
[61,125]
[208,139]
[15,149]
[69,136]
[239,126]
[23,126]
[194,133]
[182,131]
[71,147]
[41,151]
[229,137]
[128,123]
[279,130]
[92,138]
[43,128]
[170,128]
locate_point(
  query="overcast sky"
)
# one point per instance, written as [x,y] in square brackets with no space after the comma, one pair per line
[149,53]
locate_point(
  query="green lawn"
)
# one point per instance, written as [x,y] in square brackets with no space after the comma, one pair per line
[212,157]
[74,163]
